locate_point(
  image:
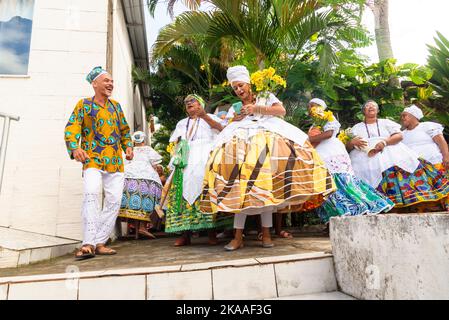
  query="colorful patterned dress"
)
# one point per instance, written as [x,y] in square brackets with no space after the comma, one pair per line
[353,196]
[142,189]
[420,140]
[397,171]
[183,208]
[263,162]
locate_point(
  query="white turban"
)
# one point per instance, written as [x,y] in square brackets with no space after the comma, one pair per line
[319,102]
[138,136]
[238,73]
[414,111]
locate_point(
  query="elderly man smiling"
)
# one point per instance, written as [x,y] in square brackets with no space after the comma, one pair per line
[101,125]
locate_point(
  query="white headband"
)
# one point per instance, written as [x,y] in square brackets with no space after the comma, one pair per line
[414,111]
[138,136]
[238,73]
[319,102]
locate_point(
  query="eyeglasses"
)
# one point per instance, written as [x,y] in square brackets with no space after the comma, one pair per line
[189,102]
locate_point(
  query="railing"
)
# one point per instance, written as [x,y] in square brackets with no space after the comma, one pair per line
[4,145]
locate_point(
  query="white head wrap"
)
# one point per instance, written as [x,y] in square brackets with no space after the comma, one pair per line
[138,136]
[238,73]
[414,111]
[319,102]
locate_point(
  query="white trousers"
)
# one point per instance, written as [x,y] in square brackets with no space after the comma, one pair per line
[266,215]
[99,223]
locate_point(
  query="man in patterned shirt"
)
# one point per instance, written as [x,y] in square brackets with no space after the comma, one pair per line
[101,125]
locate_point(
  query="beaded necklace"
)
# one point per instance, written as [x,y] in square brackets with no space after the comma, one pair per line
[196,123]
[367,131]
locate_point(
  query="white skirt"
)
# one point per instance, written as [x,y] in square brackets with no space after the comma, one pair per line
[370,168]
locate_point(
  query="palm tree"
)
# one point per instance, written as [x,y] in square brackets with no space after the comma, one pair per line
[191,4]
[267,28]
[382,28]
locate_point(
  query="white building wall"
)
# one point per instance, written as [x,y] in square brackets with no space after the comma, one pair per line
[42,187]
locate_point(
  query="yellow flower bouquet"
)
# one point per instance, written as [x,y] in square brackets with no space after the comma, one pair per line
[345,135]
[266,80]
[320,117]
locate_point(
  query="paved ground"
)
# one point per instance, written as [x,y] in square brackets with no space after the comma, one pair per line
[161,252]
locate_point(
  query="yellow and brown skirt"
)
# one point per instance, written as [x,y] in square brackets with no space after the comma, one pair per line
[265,169]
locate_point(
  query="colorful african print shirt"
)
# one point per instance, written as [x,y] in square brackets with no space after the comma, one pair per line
[104,133]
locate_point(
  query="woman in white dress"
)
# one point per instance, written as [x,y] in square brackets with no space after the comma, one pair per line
[142,187]
[194,137]
[380,158]
[353,196]
[426,139]
[260,163]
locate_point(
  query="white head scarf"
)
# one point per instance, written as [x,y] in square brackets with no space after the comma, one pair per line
[138,136]
[319,102]
[414,111]
[238,73]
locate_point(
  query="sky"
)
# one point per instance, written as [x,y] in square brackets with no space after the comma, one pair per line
[413,24]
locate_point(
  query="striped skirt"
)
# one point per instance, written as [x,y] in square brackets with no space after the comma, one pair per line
[264,169]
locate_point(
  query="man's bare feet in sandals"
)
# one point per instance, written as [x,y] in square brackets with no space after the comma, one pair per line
[285,234]
[85,252]
[105,251]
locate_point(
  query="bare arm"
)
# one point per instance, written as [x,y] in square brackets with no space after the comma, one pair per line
[212,123]
[322,136]
[277,109]
[441,142]
[395,138]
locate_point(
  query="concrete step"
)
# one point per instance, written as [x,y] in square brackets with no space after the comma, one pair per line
[252,278]
[334,295]
[19,247]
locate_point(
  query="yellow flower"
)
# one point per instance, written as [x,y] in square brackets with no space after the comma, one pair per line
[225,83]
[202,67]
[267,80]
[171,147]
[328,116]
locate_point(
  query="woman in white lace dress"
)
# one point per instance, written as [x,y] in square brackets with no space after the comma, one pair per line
[353,196]
[380,158]
[142,189]
[426,139]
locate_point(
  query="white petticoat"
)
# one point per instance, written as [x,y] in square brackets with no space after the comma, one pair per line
[272,124]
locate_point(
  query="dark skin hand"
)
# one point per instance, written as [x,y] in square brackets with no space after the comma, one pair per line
[201,113]
[322,136]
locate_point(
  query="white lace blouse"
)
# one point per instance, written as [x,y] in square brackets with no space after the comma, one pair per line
[420,139]
[141,166]
[333,151]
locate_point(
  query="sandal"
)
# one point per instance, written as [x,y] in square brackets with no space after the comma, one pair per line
[105,251]
[147,234]
[285,234]
[234,245]
[267,243]
[85,252]
[183,241]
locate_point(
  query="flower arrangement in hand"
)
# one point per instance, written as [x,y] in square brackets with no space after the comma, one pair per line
[320,117]
[266,80]
[345,135]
